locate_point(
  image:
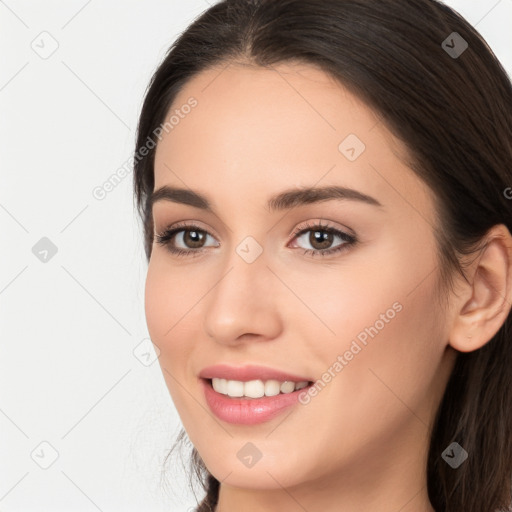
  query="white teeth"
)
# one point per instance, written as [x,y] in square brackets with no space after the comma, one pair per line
[272,387]
[221,386]
[255,388]
[287,387]
[235,388]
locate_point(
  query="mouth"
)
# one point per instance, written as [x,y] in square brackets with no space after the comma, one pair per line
[257,408]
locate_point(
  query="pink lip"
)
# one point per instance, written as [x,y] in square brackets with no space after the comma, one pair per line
[249,372]
[248,411]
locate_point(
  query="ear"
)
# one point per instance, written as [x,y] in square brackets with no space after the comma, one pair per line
[486,300]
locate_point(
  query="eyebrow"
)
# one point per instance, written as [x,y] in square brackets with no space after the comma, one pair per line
[291,198]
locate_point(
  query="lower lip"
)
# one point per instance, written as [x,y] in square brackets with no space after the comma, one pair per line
[248,411]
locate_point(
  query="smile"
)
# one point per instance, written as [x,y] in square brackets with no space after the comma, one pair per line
[246,410]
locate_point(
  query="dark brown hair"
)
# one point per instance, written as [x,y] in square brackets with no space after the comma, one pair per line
[454,114]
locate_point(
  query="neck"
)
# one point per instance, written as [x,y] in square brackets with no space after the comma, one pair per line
[319,499]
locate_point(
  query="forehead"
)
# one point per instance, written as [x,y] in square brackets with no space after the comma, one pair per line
[270,128]
[275,110]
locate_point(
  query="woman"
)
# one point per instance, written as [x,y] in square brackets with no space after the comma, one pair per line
[325,189]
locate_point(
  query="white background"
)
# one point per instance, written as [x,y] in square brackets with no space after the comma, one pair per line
[69,327]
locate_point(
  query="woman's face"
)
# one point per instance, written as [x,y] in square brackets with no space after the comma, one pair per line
[253,288]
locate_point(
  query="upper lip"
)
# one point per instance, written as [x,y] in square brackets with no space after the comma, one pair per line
[249,372]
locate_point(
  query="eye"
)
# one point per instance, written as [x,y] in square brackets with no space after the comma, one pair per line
[321,237]
[189,240]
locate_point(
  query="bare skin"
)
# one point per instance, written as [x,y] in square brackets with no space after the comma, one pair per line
[361,443]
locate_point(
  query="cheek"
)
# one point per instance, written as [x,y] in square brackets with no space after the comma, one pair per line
[389,342]
[157,302]
[382,318]
[168,304]
[169,310]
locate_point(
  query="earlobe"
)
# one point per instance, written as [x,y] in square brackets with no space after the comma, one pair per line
[481,315]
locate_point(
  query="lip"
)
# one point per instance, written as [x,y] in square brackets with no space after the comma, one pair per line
[249,372]
[243,410]
[248,411]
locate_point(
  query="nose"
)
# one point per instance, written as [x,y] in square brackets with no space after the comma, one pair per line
[242,306]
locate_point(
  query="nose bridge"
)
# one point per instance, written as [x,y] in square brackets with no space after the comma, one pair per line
[242,301]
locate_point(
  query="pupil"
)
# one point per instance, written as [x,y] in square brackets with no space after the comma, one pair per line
[323,238]
[194,243]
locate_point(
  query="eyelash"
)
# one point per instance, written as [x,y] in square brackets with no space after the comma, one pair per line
[164,238]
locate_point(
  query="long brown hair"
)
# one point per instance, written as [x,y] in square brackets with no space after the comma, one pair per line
[454,113]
